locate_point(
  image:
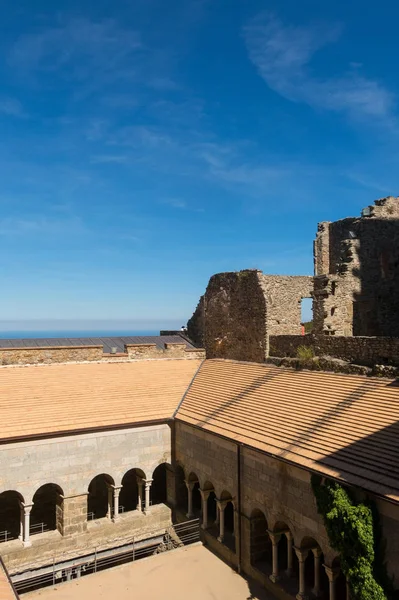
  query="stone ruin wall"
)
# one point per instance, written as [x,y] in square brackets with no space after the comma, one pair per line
[240,310]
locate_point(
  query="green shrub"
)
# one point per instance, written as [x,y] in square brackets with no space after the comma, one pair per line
[350,530]
[305,353]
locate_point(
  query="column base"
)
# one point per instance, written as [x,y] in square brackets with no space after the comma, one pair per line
[301,597]
[190,516]
[27,544]
[115,519]
[274,578]
[220,539]
[316,593]
[204,527]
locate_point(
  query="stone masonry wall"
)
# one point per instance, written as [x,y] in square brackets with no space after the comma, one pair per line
[281,491]
[357,273]
[172,350]
[72,462]
[47,355]
[240,310]
[359,350]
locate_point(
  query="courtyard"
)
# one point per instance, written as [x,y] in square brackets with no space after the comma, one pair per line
[191,572]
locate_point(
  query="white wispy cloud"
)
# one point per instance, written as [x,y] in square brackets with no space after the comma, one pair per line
[283,53]
[11,107]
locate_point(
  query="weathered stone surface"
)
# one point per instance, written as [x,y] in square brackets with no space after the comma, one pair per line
[46,355]
[240,310]
[172,350]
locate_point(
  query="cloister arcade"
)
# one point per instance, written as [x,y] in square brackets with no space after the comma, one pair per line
[294,560]
[20,519]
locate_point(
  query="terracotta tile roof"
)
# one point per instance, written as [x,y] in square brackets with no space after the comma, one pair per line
[338,425]
[6,589]
[50,399]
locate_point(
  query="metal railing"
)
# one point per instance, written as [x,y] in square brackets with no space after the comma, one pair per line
[5,536]
[38,528]
[97,559]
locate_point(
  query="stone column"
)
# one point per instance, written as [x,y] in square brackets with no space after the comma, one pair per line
[204,498]
[26,536]
[275,538]
[317,555]
[332,574]
[117,491]
[348,591]
[302,556]
[147,483]
[140,484]
[288,535]
[21,522]
[217,520]
[190,486]
[110,494]
[221,506]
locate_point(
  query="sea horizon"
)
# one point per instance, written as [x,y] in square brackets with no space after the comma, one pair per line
[76,333]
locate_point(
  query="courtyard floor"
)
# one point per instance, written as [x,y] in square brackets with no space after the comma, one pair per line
[192,572]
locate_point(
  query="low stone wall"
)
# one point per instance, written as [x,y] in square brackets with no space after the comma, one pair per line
[50,354]
[367,351]
[172,350]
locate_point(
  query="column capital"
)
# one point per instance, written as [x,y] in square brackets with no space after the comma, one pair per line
[117,489]
[302,553]
[148,482]
[26,508]
[204,494]
[274,537]
[190,485]
[222,503]
[288,535]
[331,572]
[317,552]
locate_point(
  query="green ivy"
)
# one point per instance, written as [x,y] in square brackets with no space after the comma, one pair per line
[350,529]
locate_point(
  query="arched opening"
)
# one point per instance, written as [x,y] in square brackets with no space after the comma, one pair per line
[340,582]
[159,493]
[195,494]
[128,496]
[46,513]
[260,543]
[211,504]
[181,490]
[314,560]
[99,500]
[227,533]
[10,515]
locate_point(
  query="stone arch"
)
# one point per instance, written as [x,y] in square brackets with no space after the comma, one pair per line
[98,498]
[260,543]
[10,515]
[159,492]
[129,494]
[284,548]
[47,509]
[313,561]
[209,490]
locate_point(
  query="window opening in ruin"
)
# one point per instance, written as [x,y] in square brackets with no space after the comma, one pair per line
[158,487]
[333,288]
[47,506]
[306,315]
[10,515]
[333,311]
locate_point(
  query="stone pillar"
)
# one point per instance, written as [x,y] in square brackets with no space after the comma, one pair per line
[110,494]
[204,498]
[26,534]
[147,483]
[302,556]
[317,555]
[221,506]
[74,520]
[140,484]
[21,522]
[348,591]
[217,520]
[117,491]
[170,486]
[288,535]
[332,574]
[275,538]
[190,487]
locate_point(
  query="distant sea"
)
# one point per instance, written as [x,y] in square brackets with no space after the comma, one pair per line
[78,333]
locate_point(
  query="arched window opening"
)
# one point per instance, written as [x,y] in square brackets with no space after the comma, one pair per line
[194,496]
[211,505]
[10,515]
[313,565]
[47,509]
[99,499]
[340,582]
[159,492]
[181,490]
[129,494]
[260,543]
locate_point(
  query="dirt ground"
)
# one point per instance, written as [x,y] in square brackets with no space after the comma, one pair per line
[192,572]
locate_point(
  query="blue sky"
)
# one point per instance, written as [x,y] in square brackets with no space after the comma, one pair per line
[147,145]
